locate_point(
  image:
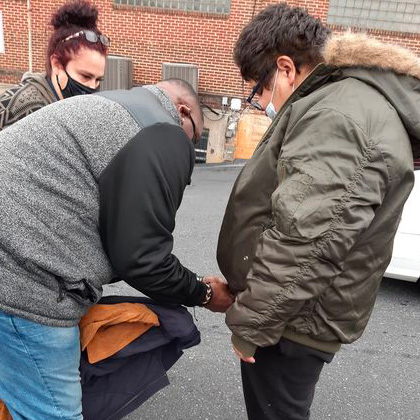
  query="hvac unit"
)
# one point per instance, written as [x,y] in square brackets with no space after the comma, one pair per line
[118,73]
[187,72]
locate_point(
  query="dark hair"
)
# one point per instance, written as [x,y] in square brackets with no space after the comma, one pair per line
[67,20]
[279,30]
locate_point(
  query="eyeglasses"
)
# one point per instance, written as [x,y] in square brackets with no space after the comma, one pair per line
[195,138]
[256,89]
[90,36]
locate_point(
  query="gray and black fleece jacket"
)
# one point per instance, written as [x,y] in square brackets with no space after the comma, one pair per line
[89,189]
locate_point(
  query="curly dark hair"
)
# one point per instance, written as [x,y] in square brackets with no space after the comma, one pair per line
[279,30]
[67,20]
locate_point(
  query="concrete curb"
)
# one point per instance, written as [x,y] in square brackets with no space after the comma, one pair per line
[218,166]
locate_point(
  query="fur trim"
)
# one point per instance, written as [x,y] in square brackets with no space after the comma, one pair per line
[356,49]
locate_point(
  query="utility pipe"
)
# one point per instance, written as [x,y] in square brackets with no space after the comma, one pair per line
[29,36]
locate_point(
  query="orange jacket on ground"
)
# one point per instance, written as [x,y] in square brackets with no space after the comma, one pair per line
[106,329]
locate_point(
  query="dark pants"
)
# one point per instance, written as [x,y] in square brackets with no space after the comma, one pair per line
[281,383]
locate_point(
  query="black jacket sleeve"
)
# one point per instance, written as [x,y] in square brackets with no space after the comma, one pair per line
[140,191]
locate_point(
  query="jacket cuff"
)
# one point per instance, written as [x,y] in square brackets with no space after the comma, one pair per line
[246,348]
[199,293]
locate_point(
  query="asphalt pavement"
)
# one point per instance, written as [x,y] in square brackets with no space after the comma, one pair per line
[375,378]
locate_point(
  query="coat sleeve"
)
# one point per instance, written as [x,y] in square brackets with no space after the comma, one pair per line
[331,178]
[7,99]
[19,101]
[140,192]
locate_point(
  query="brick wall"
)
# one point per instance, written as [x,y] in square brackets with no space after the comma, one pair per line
[151,37]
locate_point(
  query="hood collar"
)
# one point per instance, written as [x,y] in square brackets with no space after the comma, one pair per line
[360,50]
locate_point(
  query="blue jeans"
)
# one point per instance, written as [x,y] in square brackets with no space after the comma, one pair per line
[39,370]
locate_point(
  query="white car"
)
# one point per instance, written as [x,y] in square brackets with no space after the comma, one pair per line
[405,262]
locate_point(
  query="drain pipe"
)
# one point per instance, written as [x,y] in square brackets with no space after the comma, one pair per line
[29,36]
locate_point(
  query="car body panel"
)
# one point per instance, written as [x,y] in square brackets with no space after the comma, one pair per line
[405,262]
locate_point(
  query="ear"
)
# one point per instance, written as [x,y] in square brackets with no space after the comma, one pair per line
[184,110]
[55,64]
[286,64]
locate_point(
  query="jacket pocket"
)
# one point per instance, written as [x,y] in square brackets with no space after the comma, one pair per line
[304,201]
[289,195]
[82,291]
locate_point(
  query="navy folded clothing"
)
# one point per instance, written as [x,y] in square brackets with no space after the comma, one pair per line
[114,387]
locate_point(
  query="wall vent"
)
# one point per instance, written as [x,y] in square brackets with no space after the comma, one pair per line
[118,73]
[187,72]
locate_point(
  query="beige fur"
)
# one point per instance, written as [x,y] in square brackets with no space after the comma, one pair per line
[356,49]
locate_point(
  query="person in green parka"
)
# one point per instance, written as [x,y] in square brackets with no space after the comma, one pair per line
[308,230]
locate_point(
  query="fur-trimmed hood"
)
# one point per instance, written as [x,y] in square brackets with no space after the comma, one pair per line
[392,70]
[358,49]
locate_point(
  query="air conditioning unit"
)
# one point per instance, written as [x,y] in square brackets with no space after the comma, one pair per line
[187,72]
[118,73]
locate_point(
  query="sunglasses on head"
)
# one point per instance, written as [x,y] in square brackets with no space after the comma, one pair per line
[90,36]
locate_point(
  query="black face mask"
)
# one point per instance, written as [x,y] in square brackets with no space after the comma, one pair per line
[74,88]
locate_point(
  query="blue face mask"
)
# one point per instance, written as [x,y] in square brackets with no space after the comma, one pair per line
[270,111]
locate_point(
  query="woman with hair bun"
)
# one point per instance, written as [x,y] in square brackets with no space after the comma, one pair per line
[75,64]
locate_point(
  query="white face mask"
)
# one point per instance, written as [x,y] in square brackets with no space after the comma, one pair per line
[270,111]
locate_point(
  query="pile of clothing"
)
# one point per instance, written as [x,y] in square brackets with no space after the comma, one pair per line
[128,344]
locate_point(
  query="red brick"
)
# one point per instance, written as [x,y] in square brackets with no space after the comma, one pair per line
[151,36]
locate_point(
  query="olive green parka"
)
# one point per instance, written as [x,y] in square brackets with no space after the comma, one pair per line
[309,226]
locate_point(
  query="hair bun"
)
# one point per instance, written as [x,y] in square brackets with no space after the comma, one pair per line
[76,13]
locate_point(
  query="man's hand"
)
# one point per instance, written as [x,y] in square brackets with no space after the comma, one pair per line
[244,359]
[222,297]
[214,279]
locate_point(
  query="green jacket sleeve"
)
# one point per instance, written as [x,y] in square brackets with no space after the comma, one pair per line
[330,180]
